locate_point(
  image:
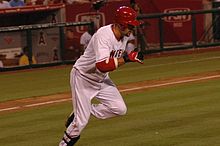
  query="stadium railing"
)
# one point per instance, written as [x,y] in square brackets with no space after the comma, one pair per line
[28,29]
[195,41]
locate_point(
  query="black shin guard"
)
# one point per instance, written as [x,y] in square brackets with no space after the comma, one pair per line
[69,120]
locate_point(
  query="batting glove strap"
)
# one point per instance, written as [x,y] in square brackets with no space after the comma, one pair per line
[126,59]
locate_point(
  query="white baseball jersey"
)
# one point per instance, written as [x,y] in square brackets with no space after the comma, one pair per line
[4,4]
[102,46]
[85,38]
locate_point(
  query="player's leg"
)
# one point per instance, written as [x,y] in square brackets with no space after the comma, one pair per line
[82,107]
[69,119]
[111,102]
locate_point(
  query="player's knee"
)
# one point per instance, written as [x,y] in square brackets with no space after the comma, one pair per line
[121,110]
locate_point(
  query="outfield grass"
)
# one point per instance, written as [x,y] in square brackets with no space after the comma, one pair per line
[56,80]
[180,115]
[34,83]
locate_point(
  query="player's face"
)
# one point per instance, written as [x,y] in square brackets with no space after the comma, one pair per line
[128,30]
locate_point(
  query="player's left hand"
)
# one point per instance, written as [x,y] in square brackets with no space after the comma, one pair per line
[134,57]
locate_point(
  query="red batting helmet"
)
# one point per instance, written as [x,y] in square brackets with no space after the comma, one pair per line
[126,16]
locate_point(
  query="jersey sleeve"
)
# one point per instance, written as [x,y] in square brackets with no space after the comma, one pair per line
[82,39]
[102,47]
[130,44]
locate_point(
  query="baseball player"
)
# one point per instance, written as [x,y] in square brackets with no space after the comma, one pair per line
[86,37]
[108,49]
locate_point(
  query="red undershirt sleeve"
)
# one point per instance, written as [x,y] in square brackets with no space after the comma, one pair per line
[107,65]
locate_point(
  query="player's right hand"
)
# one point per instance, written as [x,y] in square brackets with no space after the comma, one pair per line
[134,57]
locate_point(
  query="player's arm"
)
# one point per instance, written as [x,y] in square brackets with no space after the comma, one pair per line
[134,56]
[130,44]
[109,64]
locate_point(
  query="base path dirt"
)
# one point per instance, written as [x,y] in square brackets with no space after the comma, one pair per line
[21,104]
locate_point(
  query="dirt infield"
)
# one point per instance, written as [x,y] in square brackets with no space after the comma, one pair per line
[26,103]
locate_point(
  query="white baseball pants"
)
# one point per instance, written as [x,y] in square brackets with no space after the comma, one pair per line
[83,91]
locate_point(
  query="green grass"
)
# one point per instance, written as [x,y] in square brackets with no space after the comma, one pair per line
[34,83]
[39,126]
[56,80]
[180,115]
[158,68]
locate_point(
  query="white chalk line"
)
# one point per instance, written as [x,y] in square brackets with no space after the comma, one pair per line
[170,83]
[10,108]
[34,105]
[45,103]
[166,64]
[123,90]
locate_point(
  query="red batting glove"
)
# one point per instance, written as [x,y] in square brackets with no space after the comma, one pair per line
[133,56]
